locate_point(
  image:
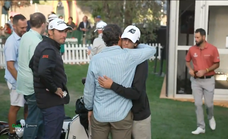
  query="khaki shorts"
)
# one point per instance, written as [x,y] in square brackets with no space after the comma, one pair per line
[16,99]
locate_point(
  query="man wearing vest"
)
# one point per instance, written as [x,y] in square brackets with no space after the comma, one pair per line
[205,59]
[50,78]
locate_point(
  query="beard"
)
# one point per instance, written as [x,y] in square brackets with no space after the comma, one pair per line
[199,43]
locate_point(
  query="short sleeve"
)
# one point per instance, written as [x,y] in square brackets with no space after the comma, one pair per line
[10,51]
[216,56]
[188,57]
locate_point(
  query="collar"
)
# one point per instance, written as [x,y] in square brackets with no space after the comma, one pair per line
[111,48]
[36,33]
[206,45]
[53,42]
[18,38]
[100,35]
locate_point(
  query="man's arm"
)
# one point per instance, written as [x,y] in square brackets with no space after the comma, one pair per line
[89,89]
[81,26]
[46,68]
[10,53]
[213,67]
[12,69]
[216,60]
[142,53]
[138,84]
[190,70]
[188,58]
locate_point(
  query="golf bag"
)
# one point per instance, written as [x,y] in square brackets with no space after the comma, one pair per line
[78,127]
[74,129]
[4,128]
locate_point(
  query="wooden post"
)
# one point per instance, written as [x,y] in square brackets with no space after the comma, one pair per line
[1,4]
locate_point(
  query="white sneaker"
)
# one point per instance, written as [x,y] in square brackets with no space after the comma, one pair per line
[212,123]
[198,131]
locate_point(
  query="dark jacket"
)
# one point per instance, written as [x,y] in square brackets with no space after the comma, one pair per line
[141,106]
[81,25]
[48,74]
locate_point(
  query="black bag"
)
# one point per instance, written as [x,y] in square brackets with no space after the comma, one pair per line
[82,112]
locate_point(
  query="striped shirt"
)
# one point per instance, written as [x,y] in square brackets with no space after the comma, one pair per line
[119,65]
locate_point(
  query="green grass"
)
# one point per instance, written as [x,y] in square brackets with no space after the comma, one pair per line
[170,119]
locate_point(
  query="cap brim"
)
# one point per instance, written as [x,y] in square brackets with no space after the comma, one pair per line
[98,29]
[63,28]
[127,36]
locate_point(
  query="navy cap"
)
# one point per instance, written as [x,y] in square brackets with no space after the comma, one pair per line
[98,16]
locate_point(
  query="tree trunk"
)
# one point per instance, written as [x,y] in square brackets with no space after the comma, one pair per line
[128,13]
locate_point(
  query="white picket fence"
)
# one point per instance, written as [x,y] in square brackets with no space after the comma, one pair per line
[75,54]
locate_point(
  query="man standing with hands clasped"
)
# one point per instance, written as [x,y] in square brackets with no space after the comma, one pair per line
[205,58]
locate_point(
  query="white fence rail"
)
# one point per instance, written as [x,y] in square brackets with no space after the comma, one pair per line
[76,54]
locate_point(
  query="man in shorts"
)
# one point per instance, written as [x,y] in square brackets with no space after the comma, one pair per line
[11,58]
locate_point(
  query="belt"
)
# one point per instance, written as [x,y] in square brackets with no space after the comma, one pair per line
[205,77]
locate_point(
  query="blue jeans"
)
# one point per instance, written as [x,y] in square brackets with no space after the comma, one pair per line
[34,121]
[53,118]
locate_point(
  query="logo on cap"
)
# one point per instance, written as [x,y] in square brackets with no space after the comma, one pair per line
[60,22]
[132,31]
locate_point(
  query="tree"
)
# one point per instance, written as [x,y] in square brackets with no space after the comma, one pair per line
[146,14]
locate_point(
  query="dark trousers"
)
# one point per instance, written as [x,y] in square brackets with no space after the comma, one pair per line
[34,121]
[53,118]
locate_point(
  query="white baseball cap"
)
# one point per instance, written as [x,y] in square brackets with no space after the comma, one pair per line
[132,33]
[52,17]
[100,26]
[58,24]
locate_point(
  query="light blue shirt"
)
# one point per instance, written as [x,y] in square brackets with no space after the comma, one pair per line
[11,54]
[119,65]
[28,44]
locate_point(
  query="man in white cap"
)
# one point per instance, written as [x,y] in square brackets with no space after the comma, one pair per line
[137,92]
[98,43]
[98,20]
[50,78]
[108,111]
